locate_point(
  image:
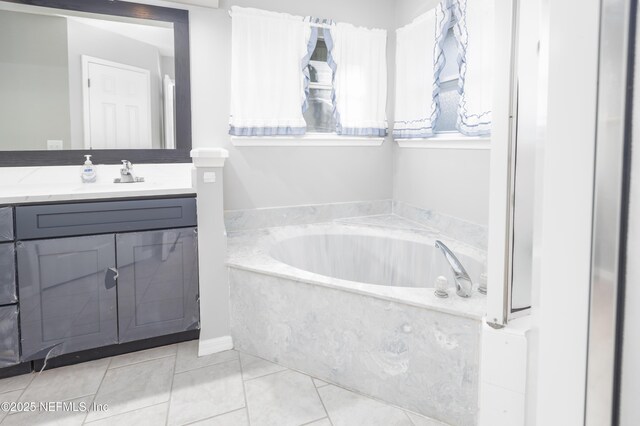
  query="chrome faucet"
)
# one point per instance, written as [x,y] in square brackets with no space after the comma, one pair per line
[463,281]
[126,174]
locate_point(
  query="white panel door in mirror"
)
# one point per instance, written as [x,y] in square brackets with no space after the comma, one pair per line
[117,106]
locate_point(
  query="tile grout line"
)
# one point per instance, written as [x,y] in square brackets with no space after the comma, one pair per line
[140,362]
[244,390]
[173,379]
[430,419]
[216,416]
[124,412]
[12,390]
[21,394]
[313,421]
[199,368]
[128,411]
[324,382]
[268,374]
[63,400]
[93,400]
[321,401]
[285,369]
[373,398]
[272,373]
[409,418]
[208,365]
[32,374]
[24,389]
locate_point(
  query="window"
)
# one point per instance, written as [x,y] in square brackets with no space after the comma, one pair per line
[444,83]
[449,95]
[338,98]
[319,114]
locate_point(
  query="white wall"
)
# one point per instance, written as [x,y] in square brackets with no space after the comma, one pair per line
[408,10]
[453,182]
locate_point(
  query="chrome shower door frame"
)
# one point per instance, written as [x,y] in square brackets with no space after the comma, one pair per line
[610,210]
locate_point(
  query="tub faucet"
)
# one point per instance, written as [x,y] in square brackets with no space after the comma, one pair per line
[462,279]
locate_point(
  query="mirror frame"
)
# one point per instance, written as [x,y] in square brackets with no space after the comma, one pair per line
[180,20]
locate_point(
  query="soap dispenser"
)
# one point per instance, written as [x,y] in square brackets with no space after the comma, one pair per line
[88,173]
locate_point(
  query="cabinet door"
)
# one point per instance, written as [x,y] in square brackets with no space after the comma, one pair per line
[6,223]
[67,295]
[9,341]
[157,284]
[7,274]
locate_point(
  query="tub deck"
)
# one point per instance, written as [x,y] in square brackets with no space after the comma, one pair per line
[250,251]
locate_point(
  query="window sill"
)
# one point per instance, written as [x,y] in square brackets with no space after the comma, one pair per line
[455,141]
[304,141]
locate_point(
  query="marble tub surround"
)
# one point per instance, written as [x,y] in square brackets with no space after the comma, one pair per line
[381,211]
[349,302]
[19,185]
[423,360]
[458,229]
[390,221]
[254,251]
[239,220]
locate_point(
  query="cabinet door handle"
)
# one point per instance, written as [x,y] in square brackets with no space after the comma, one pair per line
[111,277]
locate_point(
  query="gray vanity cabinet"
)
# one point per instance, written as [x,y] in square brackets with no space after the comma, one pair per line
[9,340]
[67,293]
[157,283]
[6,224]
[9,330]
[101,273]
[7,274]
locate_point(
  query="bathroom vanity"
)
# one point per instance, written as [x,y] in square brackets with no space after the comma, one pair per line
[118,274]
[89,270]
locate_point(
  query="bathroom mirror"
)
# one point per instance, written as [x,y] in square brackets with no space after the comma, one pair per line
[109,77]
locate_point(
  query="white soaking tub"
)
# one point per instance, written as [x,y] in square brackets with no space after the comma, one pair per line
[354,305]
[369,259]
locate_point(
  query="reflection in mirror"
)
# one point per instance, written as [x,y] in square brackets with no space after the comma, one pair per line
[75,80]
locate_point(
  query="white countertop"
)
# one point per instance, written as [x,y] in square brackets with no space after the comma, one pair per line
[19,185]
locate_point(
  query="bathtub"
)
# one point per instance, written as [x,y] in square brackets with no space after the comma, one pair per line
[370,259]
[353,304]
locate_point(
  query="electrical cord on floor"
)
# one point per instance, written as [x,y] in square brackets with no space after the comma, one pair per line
[50,354]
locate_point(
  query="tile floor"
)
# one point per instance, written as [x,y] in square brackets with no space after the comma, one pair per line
[171,385]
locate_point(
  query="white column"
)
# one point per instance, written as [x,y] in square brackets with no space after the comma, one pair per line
[215,332]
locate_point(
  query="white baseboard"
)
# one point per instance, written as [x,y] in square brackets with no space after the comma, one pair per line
[213,346]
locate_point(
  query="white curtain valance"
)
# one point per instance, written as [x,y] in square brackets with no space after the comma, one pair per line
[419,61]
[474,31]
[358,57]
[269,55]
